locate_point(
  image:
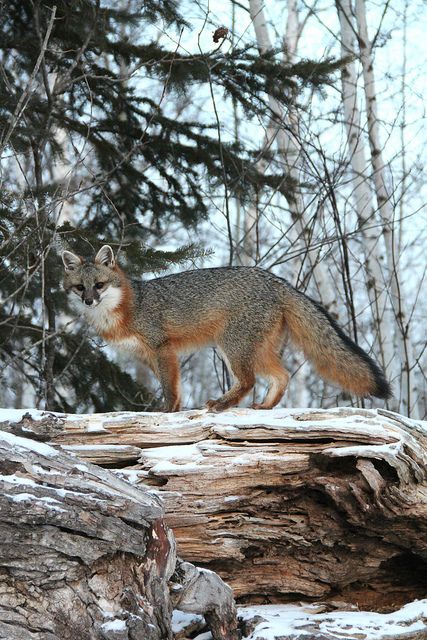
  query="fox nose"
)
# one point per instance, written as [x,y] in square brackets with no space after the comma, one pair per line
[88,301]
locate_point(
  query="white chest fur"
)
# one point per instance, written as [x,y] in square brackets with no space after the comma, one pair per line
[102,317]
[135,347]
[129,345]
[105,319]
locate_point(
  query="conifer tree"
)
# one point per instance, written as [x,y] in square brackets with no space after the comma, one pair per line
[90,86]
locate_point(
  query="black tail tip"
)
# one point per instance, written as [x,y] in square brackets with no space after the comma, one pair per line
[383,388]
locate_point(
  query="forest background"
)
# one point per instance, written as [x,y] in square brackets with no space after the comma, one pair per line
[287,134]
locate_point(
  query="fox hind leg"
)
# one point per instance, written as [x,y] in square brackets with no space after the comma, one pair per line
[243,371]
[249,352]
[268,364]
[279,378]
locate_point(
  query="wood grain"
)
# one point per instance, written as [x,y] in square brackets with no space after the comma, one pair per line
[87,556]
[283,505]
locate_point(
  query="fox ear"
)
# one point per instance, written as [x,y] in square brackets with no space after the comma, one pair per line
[71,261]
[105,256]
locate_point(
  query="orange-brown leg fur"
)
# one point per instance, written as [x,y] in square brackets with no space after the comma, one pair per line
[245,380]
[167,370]
[279,379]
[268,364]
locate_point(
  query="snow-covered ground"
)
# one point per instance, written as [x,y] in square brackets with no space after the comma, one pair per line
[294,622]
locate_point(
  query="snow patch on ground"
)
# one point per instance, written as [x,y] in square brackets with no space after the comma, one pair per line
[294,621]
[297,621]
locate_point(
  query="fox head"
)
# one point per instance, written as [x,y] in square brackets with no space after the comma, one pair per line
[92,281]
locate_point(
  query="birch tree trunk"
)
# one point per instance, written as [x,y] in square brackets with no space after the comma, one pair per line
[292,31]
[298,393]
[62,175]
[291,153]
[408,386]
[376,280]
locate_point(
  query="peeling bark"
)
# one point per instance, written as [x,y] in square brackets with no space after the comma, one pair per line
[282,504]
[85,555]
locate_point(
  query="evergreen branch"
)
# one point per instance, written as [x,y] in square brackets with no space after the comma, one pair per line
[59,86]
[26,94]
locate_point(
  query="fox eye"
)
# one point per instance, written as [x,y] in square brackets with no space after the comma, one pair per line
[99,285]
[80,287]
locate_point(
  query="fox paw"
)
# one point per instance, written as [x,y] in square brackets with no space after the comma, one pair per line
[214,405]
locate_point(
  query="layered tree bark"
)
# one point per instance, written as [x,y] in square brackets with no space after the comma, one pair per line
[284,504]
[86,556]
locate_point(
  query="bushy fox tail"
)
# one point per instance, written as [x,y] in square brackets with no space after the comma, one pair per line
[335,357]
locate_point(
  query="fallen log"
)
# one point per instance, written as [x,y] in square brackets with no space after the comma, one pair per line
[283,505]
[85,555]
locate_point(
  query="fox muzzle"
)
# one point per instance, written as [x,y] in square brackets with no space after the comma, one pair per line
[90,296]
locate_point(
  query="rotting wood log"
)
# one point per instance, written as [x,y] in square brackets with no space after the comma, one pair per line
[284,504]
[87,556]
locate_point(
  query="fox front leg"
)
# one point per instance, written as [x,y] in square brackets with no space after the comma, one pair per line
[167,370]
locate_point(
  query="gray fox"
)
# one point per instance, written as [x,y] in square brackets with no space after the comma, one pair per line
[245,311]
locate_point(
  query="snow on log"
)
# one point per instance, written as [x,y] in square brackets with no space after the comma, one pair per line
[285,504]
[85,555]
